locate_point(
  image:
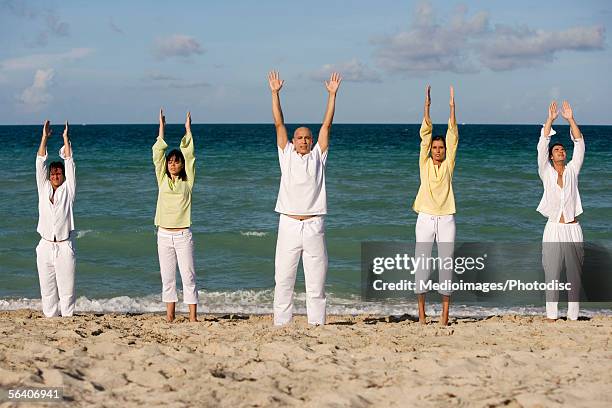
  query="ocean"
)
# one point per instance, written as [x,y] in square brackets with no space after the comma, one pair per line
[372,178]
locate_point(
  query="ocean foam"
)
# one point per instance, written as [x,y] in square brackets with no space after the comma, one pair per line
[253,234]
[82,233]
[260,302]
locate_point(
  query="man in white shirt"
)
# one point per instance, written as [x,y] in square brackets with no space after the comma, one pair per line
[302,204]
[55,256]
[562,239]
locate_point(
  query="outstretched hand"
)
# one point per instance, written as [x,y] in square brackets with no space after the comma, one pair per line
[566,111]
[334,83]
[553,112]
[428,95]
[47,129]
[274,81]
[451,102]
[65,135]
[188,122]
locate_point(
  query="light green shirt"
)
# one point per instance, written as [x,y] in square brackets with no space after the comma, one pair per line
[174,198]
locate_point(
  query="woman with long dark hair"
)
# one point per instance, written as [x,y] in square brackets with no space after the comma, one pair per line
[175,176]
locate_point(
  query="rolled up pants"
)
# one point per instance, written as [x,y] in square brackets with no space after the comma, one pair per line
[306,239]
[56,262]
[430,228]
[562,244]
[177,247]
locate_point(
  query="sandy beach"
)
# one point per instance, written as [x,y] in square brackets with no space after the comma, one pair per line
[354,361]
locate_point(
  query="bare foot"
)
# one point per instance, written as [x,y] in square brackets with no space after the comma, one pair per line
[193,313]
[444,314]
[421,304]
[170,306]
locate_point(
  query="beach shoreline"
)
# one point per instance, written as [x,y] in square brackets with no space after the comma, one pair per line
[115,359]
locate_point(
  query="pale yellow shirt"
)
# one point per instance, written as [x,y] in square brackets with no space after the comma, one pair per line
[435,194]
[174,197]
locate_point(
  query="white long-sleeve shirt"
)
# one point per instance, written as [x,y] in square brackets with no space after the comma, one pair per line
[55,219]
[302,186]
[558,200]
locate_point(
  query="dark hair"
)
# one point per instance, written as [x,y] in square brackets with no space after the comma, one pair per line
[550,149]
[178,156]
[57,165]
[433,139]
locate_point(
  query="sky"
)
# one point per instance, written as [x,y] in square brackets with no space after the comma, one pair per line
[119,61]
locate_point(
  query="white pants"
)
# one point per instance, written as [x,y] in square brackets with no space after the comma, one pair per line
[173,247]
[306,239]
[562,245]
[56,264]
[440,228]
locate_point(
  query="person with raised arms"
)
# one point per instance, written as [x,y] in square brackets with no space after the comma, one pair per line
[562,241]
[302,205]
[55,253]
[175,175]
[435,204]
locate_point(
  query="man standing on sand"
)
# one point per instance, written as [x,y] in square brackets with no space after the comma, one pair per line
[562,241]
[302,204]
[55,256]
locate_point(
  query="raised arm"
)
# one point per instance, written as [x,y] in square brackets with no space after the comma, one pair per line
[46,134]
[568,114]
[426,129]
[578,153]
[452,133]
[553,112]
[41,157]
[188,150]
[162,124]
[426,116]
[451,118]
[66,155]
[279,122]
[546,133]
[159,149]
[332,89]
[67,146]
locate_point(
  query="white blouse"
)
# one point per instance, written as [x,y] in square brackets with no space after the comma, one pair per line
[302,186]
[55,219]
[560,200]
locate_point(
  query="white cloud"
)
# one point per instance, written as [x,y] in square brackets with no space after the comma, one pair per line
[36,96]
[466,44]
[430,46]
[177,45]
[45,59]
[508,48]
[353,70]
